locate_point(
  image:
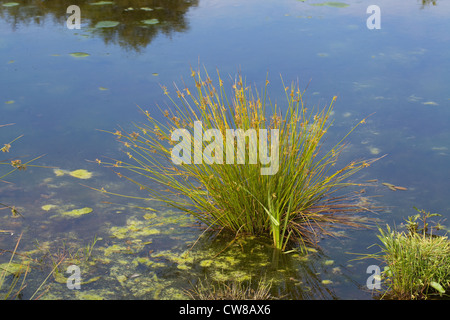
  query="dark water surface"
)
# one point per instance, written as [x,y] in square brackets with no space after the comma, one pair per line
[399,74]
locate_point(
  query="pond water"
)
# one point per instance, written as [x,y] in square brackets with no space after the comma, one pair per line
[60,102]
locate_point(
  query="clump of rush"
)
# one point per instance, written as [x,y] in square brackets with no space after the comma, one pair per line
[291,207]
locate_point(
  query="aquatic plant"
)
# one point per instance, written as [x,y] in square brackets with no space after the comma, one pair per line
[417,262]
[16,163]
[19,269]
[292,203]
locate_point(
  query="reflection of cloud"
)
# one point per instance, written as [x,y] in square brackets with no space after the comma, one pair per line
[399,56]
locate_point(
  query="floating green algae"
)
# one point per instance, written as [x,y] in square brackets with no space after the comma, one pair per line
[115,248]
[59,172]
[151,286]
[79,54]
[83,295]
[48,207]
[13,267]
[77,212]
[230,264]
[60,278]
[328,262]
[134,229]
[81,174]
[326,282]
[107,24]
[9,102]
[430,103]
[331,4]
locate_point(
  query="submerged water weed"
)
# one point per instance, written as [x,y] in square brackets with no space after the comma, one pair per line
[19,266]
[291,205]
[417,261]
[16,269]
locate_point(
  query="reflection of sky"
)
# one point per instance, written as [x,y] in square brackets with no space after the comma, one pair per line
[400,72]
[392,71]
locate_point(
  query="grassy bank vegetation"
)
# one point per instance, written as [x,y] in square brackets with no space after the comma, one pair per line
[417,261]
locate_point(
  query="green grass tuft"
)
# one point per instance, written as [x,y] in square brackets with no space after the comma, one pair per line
[417,262]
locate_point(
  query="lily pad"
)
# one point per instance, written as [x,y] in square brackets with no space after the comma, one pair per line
[80,54]
[77,212]
[102,88]
[150,21]
[101,3]
[107,24]
[10,4]
[9,102]
[81,174]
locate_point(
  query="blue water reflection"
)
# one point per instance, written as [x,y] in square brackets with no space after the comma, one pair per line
[400,74]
